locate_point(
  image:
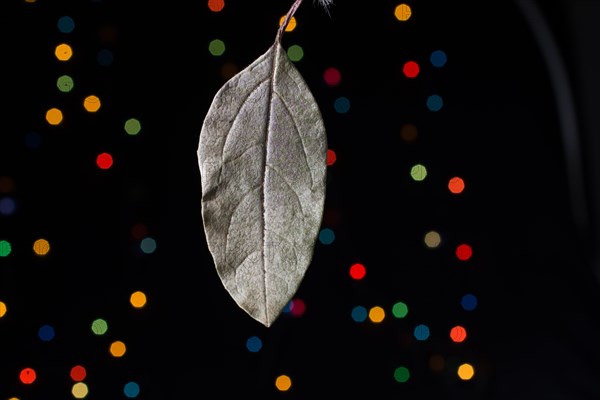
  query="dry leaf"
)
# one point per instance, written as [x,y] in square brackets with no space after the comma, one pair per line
[262,157]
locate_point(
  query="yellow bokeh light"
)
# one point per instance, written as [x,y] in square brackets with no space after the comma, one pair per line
[376,314]
[402,12]
[2,309]
[91,103]
[432,239]
[138,299]
[291,24]
[283,383]
[80,390]
[466,371]
[63,52]
[41,247]
[54,116]
[117,348]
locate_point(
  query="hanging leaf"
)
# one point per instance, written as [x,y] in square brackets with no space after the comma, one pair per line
[262,158]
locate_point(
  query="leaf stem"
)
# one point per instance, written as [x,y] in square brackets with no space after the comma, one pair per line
[287,19]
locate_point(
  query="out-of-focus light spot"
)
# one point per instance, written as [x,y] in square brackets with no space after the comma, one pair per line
[359,314]
[78,373]
[458,334]
[3,309]
[216,47]
[63,52]
[357,271]
[99,327]
[54,116]
[436,362]
[46,333]
[456,185]
[401,374]
[66,24]
[216,5]
[5,248]
[228,70]
[80,390]
[295,52]
[91,103]
[7,185]
[132,126]
[326,236]
[435,102]
[468,302]
[254,344]
[465,371]
[138,299]
[27,376]
[432,239]
[283,383]
[41,247]
[331,157]
[104,161]
[33,140]
[411,69]
[105,57]
[376,314]
[332,76]
[117,348]
[418,172]
[131,389]
[297,307]
[65,83]
[399,310]
[148,245]
[291,23]
[341,105]
[421,332]
[408,132]
[438,58]
[402,12]
[464,252]
[139,231]
[30,1]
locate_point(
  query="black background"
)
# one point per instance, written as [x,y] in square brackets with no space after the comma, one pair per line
[534,333]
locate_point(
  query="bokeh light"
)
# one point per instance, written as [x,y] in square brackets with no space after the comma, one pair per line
[421,332]
[331,157]
[359,314]
[456,185]
[297,307]
[435,102]
[254,344]
[5,248]
[131,390]
[341,105]
[216,47]
[104,161]
[411,69]
[458,334]
[418,172]
[295,52]
[283,383]
[138,299]
[401,374]
[3,309]
[466,371]
[468,302]
[326,236]
[41,247]
[46,333]
[402,12]
[432,239]
[99,326]
[117,348]
[54,116]
[376,314]
[357,271]
[80,390]
[132,126]
[464,252]
[65,83]
[399,309]
[27,376]
[216,5]
[148,245]
[63,52]
[438,58]
[332,76]
[408,132]
[91,103]
[66,24]
[291,23]
[78,373]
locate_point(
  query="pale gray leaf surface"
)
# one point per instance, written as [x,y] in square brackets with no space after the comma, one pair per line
[262,157]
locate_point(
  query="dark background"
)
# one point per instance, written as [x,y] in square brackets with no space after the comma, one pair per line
[530,208]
